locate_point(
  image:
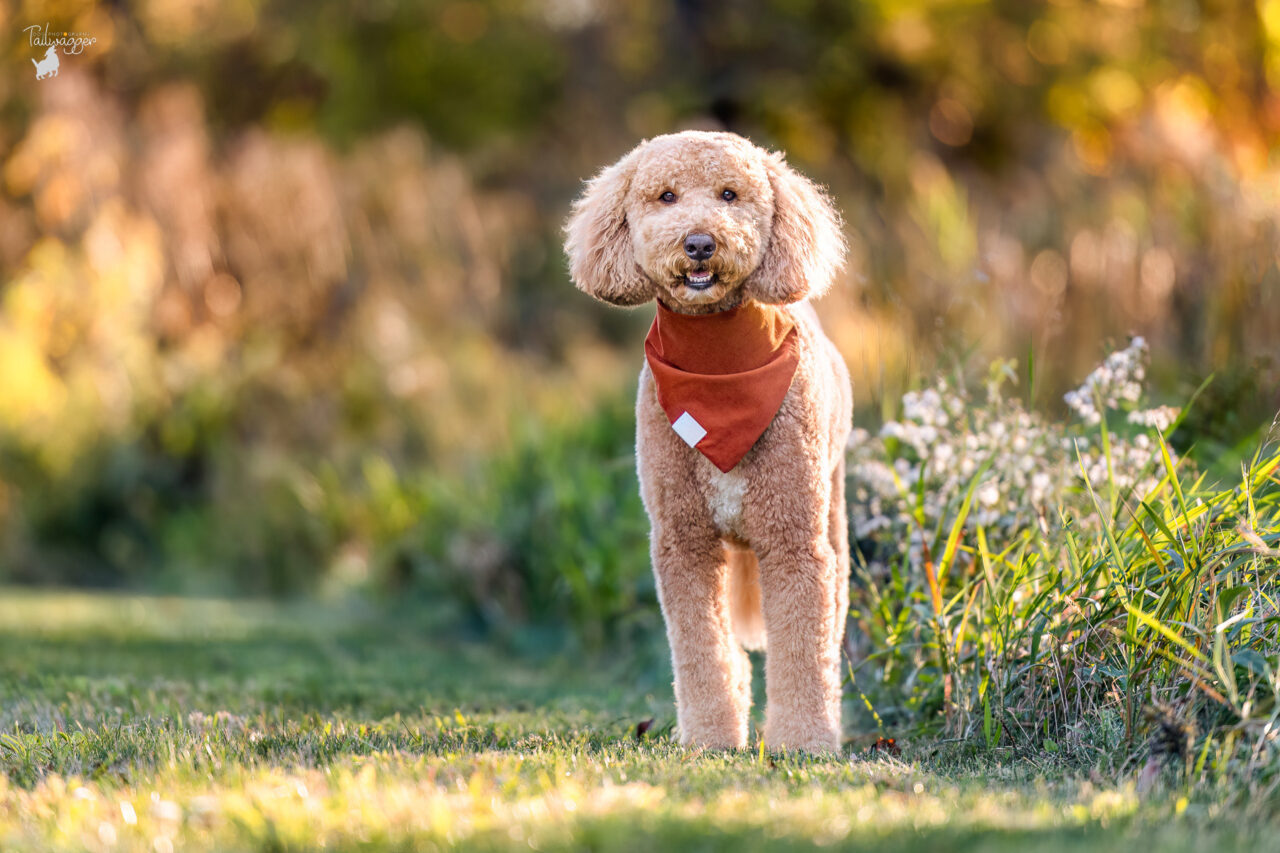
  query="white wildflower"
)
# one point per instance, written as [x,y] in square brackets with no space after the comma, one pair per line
[1160,418]
[943,437]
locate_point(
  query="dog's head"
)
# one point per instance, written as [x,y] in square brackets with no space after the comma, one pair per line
[703,221]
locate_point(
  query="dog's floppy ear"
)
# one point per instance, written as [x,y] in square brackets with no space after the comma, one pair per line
[598,239]
[806,245]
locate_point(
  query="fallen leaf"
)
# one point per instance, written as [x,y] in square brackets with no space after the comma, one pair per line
[885,744]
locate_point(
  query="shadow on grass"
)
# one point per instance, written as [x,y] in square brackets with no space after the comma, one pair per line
[641,834]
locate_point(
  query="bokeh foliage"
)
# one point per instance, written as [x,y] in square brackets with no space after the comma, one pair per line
[282,303]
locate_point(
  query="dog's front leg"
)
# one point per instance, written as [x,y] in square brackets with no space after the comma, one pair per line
[712,672]
[799,578]
[801,684]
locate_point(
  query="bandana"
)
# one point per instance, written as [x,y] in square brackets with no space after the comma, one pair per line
[722,377]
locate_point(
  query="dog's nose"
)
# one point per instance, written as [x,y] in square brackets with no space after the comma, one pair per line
[699,247]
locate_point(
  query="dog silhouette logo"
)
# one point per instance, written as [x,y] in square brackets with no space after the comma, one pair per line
[47,67]
[57,44]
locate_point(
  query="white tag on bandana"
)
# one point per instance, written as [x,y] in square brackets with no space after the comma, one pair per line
[689,429]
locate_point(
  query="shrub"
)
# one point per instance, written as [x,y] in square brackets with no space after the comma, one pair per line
[551,532]
[1015,472]
[1028,583]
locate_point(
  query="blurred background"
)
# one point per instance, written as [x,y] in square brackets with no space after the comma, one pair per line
[283,308]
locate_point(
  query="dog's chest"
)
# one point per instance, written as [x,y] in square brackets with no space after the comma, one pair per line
[725,493]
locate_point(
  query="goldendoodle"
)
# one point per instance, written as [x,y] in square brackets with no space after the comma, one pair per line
[743,414]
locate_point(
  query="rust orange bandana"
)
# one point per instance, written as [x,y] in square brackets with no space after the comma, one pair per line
[721,377]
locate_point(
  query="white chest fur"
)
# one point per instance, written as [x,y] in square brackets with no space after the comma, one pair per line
[725,493]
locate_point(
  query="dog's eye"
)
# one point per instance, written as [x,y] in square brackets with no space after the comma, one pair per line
[728,195]
[668,197]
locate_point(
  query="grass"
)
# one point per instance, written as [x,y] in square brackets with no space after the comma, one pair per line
[132,723]
[1127,615]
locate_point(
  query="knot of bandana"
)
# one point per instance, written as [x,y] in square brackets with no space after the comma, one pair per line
[722,377]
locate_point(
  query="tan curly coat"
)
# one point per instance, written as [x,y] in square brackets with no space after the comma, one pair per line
[758,556]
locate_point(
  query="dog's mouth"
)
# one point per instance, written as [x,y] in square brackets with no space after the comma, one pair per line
[699,279]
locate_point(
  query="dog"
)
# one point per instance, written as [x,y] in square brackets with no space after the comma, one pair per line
[742,419]
[47,67]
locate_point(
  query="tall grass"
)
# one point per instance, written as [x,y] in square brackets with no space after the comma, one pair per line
[1132,620]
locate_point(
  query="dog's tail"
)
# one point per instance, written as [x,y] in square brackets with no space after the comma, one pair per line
[36,64]
[745,611]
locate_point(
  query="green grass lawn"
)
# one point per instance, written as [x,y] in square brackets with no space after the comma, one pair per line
[136,723]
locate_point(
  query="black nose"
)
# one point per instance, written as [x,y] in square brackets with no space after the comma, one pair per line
[699,247]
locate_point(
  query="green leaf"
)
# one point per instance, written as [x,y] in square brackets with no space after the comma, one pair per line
[1252,661]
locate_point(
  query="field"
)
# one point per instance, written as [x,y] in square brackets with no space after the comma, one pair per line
[319,517]
[136,723]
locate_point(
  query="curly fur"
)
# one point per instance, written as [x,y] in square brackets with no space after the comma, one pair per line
[758,556]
